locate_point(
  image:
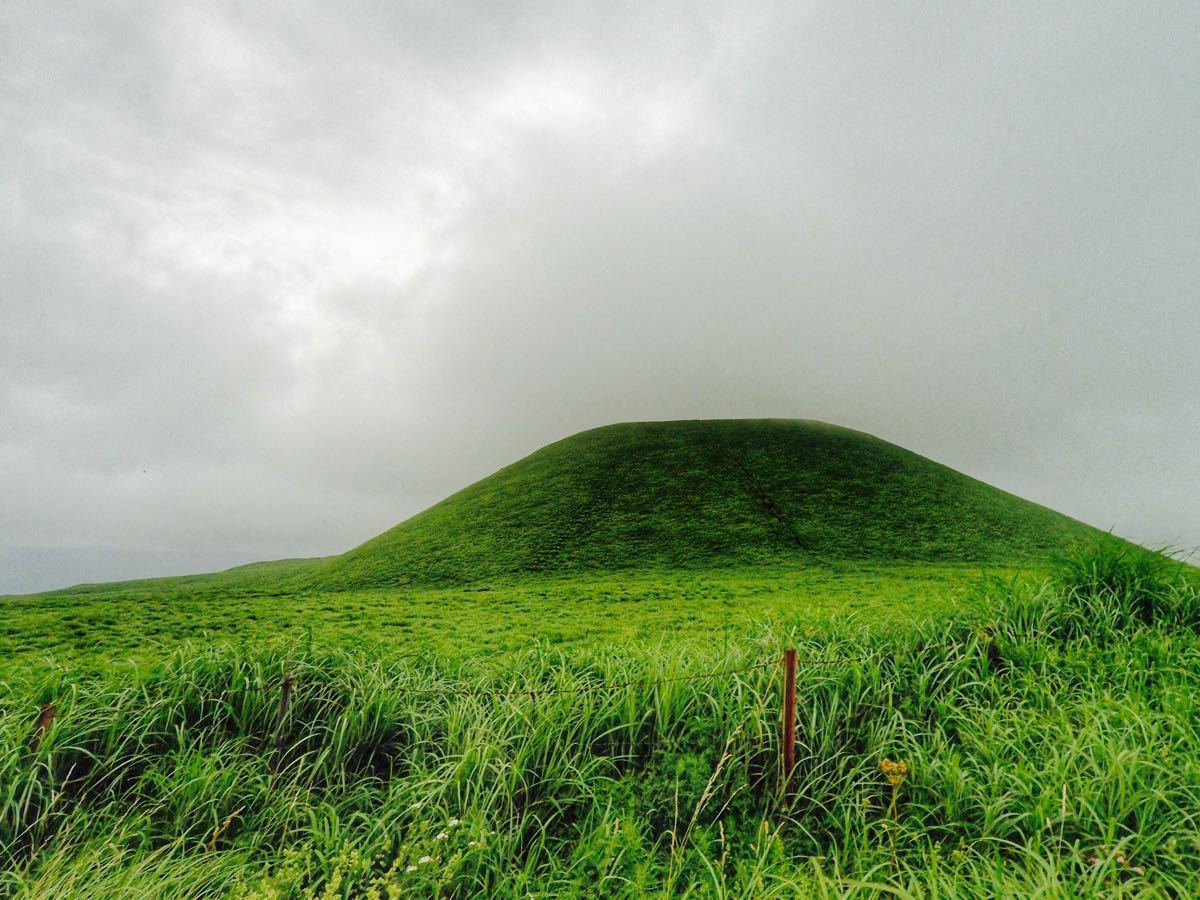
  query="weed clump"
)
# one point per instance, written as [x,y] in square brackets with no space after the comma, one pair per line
[1111,584]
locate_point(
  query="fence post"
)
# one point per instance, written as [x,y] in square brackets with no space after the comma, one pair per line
[285,695]
[44,720]
[788,747]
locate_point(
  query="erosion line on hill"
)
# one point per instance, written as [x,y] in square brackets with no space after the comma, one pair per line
[768,502]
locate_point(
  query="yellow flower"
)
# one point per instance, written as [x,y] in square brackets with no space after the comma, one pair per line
[896,772]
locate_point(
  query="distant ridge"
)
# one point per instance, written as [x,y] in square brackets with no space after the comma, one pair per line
[709,493]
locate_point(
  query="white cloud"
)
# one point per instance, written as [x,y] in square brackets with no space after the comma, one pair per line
[311,271]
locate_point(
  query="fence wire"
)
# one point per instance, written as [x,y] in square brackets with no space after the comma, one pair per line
[604,686]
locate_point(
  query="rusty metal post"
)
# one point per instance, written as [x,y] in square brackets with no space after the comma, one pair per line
[44,721]
[788,747]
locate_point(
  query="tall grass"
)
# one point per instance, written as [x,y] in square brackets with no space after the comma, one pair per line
[1127,580]
[1052,740]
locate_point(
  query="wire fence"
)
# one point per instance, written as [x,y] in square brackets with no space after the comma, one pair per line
[789,661]
[649,682]
[551,691]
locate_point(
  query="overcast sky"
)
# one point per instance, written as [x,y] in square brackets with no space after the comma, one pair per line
[273,280]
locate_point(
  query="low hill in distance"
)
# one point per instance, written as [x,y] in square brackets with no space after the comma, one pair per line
[711,494]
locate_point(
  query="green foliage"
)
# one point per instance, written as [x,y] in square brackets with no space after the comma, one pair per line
[704,494]
[1128,579]
[1053,748]
[143,621]
[510,695]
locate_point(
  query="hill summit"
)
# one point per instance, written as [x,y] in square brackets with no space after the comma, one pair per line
[705,494]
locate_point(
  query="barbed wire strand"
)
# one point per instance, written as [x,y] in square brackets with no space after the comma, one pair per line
[606,686]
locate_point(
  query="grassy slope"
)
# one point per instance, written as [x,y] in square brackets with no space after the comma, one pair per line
[1051,736]
[270,577]
[622,789]
[704,494]
[664,531]
[143,621]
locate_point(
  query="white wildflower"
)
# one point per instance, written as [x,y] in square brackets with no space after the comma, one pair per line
[441,836]
[411,869]
[425,859]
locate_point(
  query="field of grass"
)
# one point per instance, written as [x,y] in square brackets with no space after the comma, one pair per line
[564,681]
[144,621]
[672,531]
[1050,730]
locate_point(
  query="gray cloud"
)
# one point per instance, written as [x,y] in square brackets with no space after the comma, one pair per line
[272,281]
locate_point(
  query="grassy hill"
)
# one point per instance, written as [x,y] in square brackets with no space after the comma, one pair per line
[652,495]
[639,532]
[565,681]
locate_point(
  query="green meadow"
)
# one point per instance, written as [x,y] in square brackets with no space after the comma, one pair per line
[565,680]
[144,621]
